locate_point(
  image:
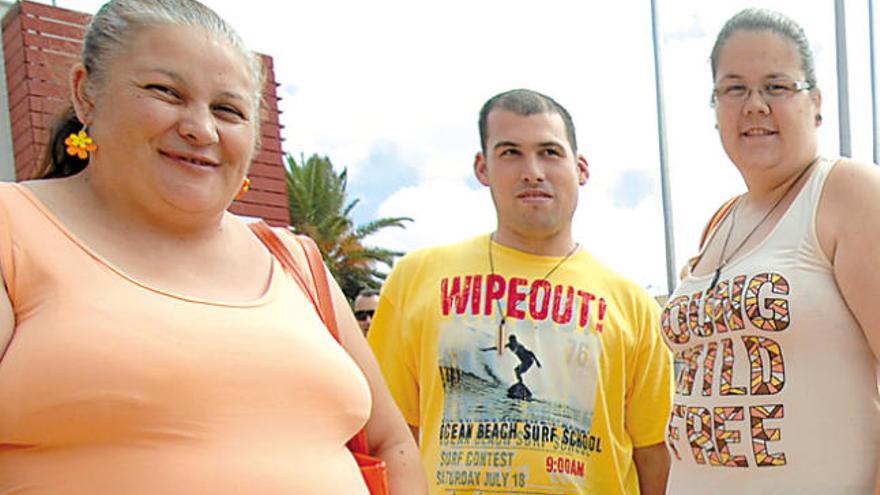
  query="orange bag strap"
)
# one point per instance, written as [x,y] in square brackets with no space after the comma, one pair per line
[321,284]
[279,250]
[716,219]
[318,292]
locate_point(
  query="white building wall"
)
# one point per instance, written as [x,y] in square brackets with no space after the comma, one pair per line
[7,158]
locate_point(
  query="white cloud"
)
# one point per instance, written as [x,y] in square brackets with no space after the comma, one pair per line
[443,210]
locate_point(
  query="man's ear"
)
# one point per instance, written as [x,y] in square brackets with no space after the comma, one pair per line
[83,104]
[480,170]
[583,169]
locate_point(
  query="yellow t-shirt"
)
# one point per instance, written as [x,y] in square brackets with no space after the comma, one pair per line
[582,376]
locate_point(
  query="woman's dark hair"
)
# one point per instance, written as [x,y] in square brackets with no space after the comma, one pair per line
[56,162]
[116,23]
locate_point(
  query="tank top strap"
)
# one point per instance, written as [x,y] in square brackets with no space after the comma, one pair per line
[812,190]
[798,226]
[12,201]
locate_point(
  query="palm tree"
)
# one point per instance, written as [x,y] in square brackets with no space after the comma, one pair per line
[319,209]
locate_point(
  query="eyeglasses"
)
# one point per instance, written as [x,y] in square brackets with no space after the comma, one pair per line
[775,90]
[362,314]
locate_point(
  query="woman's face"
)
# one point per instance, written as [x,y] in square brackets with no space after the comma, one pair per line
[174,118]
[764,119]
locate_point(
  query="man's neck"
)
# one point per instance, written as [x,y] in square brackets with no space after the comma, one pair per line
[558,244]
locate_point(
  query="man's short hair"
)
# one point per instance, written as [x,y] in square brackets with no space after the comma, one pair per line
[367,293]
[525,102]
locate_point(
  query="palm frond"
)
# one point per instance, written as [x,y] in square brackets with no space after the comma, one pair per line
[320,209]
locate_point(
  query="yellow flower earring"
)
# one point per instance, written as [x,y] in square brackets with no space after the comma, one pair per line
[245,187]
[80,144]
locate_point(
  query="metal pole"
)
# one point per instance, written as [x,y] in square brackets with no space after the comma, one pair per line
[671,270]
[873,65]
[842,80]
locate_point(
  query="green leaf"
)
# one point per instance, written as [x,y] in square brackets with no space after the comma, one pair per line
[320,209]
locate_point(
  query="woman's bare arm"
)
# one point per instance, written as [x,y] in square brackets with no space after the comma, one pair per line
[7,320]
[848,227]
[390,438]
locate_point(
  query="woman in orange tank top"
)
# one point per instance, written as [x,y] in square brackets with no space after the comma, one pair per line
[149,342]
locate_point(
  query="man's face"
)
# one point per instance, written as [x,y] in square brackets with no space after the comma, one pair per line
[364,308]
[532,173]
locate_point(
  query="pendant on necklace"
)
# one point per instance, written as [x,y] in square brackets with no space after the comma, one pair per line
[499,343]
[714,279]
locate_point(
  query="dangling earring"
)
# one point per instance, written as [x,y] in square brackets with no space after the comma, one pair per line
[716,126]
[80,144]
[245,187]
[818,119]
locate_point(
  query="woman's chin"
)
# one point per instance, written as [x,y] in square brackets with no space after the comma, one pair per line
[756,159]
[196,200]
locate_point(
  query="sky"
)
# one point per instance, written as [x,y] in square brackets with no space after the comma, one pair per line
[391,90]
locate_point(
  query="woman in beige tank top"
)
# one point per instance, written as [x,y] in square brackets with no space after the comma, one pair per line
[149,342]
[775,325]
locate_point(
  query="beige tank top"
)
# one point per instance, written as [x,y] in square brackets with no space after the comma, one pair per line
[110,386]
[776,385]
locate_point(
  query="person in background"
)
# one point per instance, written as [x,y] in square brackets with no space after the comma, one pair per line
[591,419]
[365,307]
[775,327]
[149,342]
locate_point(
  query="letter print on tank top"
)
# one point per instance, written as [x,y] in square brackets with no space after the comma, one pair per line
[730,372]
[518,404]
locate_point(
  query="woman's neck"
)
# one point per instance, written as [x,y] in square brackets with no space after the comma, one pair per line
[767,188]
[125,211]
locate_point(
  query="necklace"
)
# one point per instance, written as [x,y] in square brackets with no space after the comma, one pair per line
[724,261]
[498,302]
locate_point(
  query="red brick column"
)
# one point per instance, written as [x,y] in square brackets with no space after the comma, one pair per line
[41,43]
[268,195]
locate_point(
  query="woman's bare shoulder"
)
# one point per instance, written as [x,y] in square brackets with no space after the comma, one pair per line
[853,175]
[849,202]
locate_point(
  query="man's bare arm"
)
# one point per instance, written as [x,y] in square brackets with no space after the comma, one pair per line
[415,432]
[652,464]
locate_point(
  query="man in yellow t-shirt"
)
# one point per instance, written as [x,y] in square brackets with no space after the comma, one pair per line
[522,363]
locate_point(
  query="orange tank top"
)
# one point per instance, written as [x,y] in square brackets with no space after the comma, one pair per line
[110,386]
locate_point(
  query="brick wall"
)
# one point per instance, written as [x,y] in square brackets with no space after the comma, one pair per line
[7,160]
[41,43]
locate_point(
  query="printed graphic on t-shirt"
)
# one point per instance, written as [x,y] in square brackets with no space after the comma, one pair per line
[519,398]
[730,372]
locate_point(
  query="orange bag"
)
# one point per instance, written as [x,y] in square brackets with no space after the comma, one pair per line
[373,469]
